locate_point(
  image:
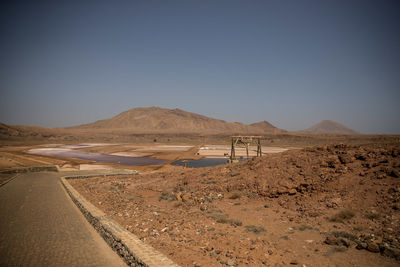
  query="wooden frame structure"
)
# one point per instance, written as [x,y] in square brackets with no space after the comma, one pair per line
[245,141]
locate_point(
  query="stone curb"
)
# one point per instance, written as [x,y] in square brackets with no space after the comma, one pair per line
[49,168]
[9,180]
[128,246]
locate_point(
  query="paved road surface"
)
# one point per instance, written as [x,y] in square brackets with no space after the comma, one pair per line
[41,226]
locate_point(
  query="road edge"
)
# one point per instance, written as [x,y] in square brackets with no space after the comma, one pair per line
[127,245]
[9,180]
[18,171]
[46,168]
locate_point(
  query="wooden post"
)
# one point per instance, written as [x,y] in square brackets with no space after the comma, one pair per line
[245,141]
[185,163]
[259,152]
[233,156]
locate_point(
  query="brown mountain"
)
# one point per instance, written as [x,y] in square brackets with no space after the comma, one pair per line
[6,130]
[26,131]
[266,127]
[155,119]
[329,127]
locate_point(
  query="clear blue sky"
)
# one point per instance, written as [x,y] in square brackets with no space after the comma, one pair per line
[292,63]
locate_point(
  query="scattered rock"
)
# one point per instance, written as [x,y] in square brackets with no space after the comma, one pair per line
[345,242]
[360,156]
[302,183]
[283,190]
[292,191]
[380,176]
[231,262]
[185,197]
[332,162]
[361,245]
[373,247]
[331,240]
[395,173]
[391,252]
[345,159]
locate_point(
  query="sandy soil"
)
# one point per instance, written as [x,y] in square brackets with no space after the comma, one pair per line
[86,167]
[13,147]
[324,206]
[15,157]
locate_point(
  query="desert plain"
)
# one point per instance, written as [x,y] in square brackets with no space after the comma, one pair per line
[311,199]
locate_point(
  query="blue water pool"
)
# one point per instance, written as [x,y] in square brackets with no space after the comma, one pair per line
[199,163]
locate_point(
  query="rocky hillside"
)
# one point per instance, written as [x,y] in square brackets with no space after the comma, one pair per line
[334,205]
[329,127]
[6,130]
[155,119]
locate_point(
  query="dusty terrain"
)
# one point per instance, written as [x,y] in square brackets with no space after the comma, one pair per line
[278,210]
[154,124]
[333,205]
[321,206]
[15,141]
[15,157]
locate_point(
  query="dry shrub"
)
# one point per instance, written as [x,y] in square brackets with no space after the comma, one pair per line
[344,234]
[178,204]
[255,229]
[373,215]
[235,195]
[314,214]
[235,222]
[167,196]
[223,218]
[304,227]
[342,216]
[208,182]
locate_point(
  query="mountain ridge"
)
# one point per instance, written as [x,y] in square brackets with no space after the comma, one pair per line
[329,127]
[156,119]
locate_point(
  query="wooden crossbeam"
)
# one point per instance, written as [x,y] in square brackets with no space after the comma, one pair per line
[246,141]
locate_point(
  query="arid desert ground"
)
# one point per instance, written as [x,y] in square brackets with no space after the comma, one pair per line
[311,199]
[333,204]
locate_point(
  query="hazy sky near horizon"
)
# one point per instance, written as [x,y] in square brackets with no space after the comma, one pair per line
[292,63]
